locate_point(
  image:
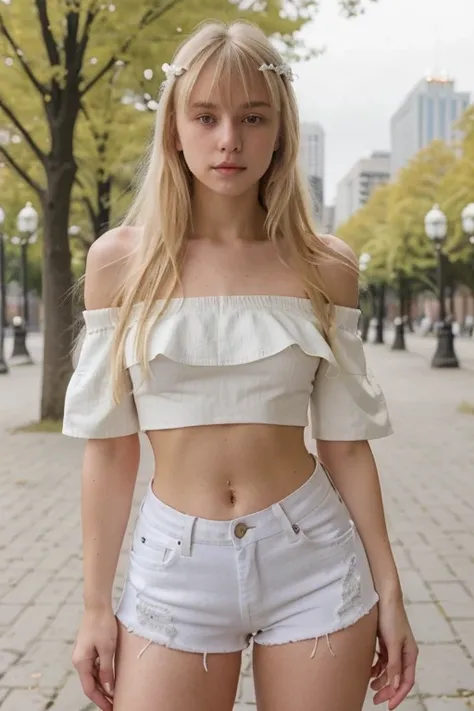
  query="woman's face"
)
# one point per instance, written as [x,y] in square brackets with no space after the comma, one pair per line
[228,146]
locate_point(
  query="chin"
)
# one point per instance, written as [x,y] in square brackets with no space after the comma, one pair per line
[227,188]
[230,191]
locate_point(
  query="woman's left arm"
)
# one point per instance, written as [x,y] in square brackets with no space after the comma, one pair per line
[354,472]
[343,422]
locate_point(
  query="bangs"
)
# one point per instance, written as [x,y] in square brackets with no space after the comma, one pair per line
[234,69]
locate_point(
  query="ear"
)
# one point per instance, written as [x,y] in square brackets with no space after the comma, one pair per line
[177,142]
[277,144]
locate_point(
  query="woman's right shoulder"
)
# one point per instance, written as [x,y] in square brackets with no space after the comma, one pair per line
[108,265]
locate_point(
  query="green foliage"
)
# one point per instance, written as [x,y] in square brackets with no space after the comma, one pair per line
[458,191]
[366,232]
[390,227]
[418,188]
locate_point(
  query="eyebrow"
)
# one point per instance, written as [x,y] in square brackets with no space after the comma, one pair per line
[246,105]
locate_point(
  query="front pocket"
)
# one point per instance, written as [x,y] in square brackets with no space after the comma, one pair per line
[152,550]
[328,542]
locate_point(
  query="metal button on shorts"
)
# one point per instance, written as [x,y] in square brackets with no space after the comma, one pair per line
[240,530]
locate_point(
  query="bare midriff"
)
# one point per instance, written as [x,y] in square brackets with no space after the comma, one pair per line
[223,472]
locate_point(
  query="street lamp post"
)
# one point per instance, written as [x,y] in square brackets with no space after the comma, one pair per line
[27,224]
[436,228]
[467,217]
[380,316]
[3,297]
[364,261]
[399,322]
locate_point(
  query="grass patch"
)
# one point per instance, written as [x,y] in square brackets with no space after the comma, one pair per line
[43,426]
[466,408]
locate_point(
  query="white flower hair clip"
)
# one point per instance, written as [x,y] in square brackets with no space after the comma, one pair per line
[172,70]
[284,70]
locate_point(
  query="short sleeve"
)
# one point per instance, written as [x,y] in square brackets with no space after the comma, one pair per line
[89,409]
[347,404]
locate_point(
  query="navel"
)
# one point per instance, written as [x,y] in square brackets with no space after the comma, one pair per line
[232,496]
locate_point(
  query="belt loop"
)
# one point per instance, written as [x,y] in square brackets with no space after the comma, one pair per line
[186,538]
[290,531]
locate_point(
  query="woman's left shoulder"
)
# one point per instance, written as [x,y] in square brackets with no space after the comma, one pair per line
[339,269]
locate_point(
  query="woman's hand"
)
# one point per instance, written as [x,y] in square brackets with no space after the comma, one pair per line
[93,656]
[394,671]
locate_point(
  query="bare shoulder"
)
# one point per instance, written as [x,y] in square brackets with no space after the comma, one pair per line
[340,272]
[107,265]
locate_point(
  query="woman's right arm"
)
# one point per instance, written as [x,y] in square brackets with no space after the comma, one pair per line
[109,474]
[108,482]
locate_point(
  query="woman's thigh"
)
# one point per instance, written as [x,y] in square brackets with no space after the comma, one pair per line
[335,679]
[163,679]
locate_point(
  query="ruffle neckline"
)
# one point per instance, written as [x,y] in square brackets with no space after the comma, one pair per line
[228,330]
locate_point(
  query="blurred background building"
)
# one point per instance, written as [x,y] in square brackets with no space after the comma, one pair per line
[312,163]
[328,222]
[357,186]
[429,113]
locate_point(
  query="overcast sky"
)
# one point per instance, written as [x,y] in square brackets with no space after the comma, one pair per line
[369,66]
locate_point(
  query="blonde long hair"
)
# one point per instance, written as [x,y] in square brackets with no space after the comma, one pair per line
[162,206]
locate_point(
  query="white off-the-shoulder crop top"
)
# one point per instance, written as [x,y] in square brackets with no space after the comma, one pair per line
[229,359]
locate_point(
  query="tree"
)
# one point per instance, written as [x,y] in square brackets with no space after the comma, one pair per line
[391,224]
[418,188]
[457,191]
[52,63]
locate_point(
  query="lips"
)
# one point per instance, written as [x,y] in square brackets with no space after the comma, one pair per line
[228,169]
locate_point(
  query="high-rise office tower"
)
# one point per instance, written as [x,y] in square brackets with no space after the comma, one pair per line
[429,112]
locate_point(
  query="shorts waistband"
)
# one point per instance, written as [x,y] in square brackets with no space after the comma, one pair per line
[261,524]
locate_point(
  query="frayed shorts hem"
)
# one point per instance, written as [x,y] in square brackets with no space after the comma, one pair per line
[149,638]
[316,635]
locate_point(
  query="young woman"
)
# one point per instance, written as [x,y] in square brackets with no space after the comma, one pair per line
[215,318]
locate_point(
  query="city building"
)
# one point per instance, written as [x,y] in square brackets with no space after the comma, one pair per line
[328,223]
[429,112]
[312,162]
[357,186]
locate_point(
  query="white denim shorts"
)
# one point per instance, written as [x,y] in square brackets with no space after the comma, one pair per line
[293,571]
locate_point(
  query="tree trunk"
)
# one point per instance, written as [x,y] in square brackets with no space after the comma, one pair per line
[379,332]
[102,218]
[57,283]
[409,306]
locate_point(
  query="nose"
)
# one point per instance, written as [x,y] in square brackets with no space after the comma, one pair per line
[230,138]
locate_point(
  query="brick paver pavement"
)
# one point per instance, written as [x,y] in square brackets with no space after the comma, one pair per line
[427,471]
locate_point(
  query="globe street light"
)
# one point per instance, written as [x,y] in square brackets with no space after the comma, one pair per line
[3,297]
[436,228]
[27,224]
[467,217]
[364,261]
